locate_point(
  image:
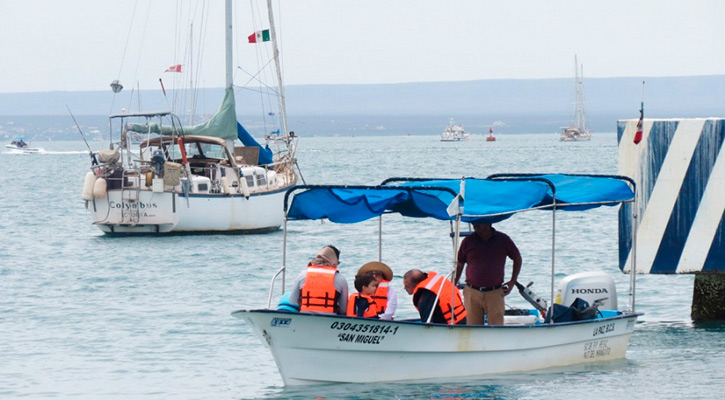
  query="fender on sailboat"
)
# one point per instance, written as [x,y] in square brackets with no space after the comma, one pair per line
[265,153]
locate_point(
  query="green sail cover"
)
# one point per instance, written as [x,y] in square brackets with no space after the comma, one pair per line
[222,125]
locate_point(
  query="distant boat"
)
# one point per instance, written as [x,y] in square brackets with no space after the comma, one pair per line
[490,137]
[19,144]
[577,129]
[454,133]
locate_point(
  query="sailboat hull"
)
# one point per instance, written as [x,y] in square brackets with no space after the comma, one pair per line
[310,349]
[144,211]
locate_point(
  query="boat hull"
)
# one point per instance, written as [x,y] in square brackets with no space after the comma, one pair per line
[310,349]
[23,149]
[145,211]
[455,138]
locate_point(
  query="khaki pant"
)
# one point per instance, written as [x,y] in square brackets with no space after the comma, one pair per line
[478,303]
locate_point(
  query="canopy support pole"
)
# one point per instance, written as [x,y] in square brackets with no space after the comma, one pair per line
[284,253]
[455,263]
[553,251]
[633,270]
[380,238]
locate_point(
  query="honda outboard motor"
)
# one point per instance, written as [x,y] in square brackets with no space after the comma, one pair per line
[596,288]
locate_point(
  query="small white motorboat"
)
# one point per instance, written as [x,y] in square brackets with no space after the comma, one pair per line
[313,348]
[19,144]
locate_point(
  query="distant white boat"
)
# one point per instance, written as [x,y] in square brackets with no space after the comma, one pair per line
[19,144]
[454,132]
[578,129]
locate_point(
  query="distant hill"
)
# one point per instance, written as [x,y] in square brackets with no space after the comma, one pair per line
[535,105]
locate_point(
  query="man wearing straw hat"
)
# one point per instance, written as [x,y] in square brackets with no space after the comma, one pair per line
[385,298]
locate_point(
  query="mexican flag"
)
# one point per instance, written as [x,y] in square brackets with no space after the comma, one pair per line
[259,36]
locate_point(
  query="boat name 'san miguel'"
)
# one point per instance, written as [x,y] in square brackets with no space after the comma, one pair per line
[360,338]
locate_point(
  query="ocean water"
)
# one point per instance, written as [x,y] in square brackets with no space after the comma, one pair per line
[86,316]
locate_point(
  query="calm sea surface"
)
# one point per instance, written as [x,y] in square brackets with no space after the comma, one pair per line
[86,316]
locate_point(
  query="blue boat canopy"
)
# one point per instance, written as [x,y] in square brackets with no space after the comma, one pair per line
[493,199]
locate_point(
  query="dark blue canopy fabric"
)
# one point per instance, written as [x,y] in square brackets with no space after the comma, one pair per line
[483,199]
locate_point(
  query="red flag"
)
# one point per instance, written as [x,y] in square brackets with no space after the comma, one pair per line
[174,68]
[638,134]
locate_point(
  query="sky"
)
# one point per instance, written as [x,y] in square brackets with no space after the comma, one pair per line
[78,45]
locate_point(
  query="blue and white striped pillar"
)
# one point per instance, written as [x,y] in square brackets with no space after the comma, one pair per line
[679,168]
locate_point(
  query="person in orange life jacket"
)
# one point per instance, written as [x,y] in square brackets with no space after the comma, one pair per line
[425,287]
[385,297]
[362,304]
[320,287]
[484,254]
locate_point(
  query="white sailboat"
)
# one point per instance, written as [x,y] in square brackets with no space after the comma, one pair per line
[577,129]
[192,178]
[311,348]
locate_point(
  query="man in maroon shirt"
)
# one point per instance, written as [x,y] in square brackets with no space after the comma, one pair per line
[484,254]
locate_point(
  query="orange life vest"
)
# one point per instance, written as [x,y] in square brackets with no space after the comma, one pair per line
[450,305]
[318,293]
[380,297]
[369,313]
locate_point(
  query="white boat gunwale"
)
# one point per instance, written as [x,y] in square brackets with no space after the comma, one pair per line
[416,322]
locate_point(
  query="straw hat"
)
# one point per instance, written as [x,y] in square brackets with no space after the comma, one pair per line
[377,266]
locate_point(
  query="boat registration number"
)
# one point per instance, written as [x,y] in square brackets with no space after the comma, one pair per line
[364,328]
[362,333]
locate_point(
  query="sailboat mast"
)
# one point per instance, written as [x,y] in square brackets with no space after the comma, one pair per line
[192,97]
[229,44]
[579,101]
[275,49]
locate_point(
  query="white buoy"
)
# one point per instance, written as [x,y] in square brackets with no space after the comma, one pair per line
[99,188]
[245,188]
[88,183]
[225,185]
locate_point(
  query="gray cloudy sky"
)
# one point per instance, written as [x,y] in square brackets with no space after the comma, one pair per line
[82,44]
